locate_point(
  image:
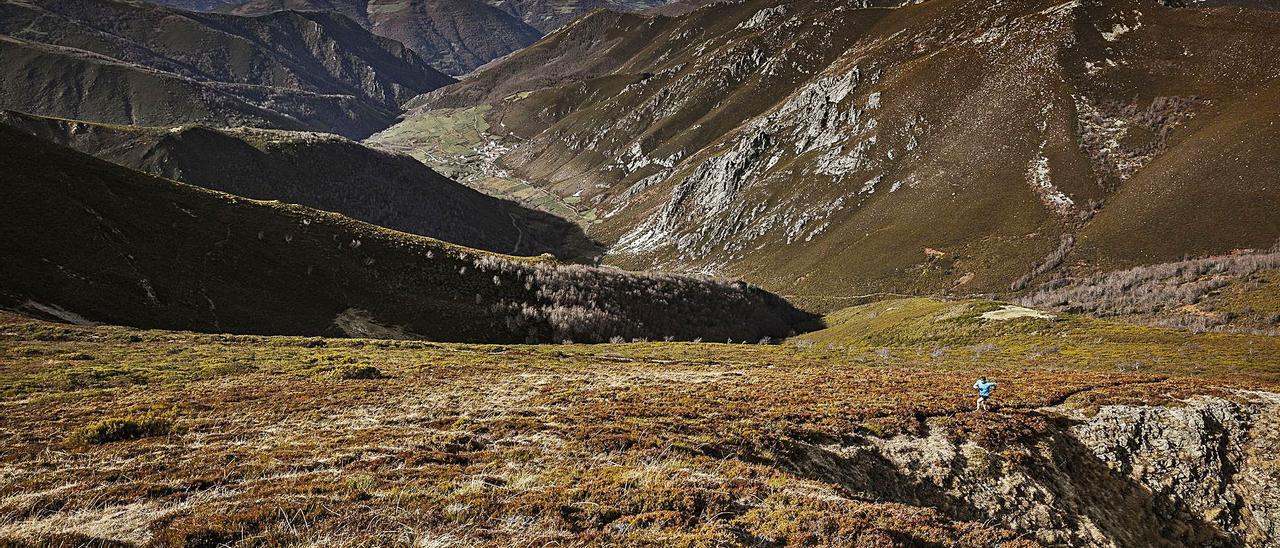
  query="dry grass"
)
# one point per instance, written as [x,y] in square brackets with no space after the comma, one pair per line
[654,443]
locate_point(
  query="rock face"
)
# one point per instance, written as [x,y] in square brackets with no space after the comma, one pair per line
[805,145]
[135,63]
[1197,472]
[454,36]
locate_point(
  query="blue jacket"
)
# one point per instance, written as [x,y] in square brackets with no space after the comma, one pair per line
[984,389]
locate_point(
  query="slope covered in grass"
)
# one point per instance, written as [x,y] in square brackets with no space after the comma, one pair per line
[983,334]
[83,239]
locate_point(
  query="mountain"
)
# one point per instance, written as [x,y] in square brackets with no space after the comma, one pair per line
[321,171]
[87,240]
[454,36]
[828,150]
[592,48]
[549,15]
[199,5]
[428,23]
[135,63]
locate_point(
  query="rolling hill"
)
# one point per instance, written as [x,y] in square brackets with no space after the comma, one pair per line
[86,240]
[324,172]
[828,150]
[135,63]
[454,36]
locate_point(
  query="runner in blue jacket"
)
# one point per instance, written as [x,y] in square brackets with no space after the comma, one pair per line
[984,392]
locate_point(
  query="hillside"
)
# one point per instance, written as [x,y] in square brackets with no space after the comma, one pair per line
[85,240]
[1106,436]
[324,172]
[454,36]
[135,63]
[826,151]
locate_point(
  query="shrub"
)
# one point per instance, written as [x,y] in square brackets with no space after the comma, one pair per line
[358,372]
[124,428]
[554,302]
[314,342]
[983,348]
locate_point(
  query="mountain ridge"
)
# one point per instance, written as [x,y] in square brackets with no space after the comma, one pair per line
[306,71]
[455,36]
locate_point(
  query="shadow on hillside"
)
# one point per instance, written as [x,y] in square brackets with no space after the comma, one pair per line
[555,235]
[1082,492]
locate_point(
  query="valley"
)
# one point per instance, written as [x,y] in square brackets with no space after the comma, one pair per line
[639,273]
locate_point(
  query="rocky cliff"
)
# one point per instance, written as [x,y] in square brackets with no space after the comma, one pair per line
[1199,471]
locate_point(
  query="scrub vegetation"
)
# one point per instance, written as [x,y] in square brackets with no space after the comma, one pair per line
[287,440]
[1231,292]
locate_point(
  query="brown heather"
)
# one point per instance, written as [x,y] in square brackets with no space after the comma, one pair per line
[639,444]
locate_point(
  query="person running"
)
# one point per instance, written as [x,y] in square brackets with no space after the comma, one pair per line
[984,392]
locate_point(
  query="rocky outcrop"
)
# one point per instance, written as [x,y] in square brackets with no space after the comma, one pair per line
[1212,459]
[818,118]
[1197,472]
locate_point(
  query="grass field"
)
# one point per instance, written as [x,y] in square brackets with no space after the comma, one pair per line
[179,438]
